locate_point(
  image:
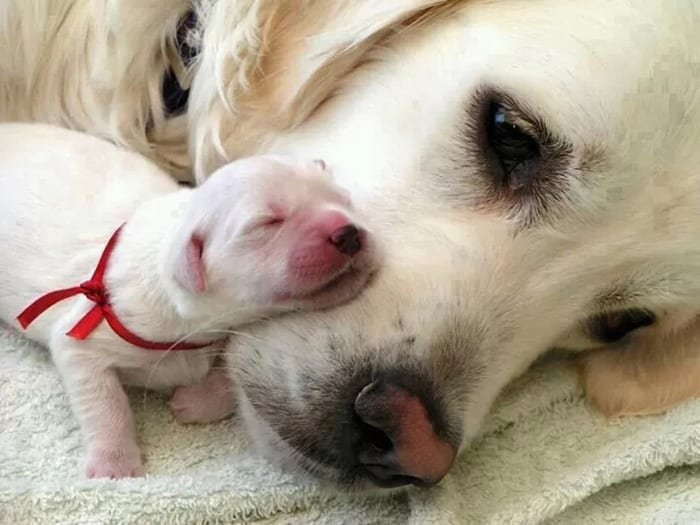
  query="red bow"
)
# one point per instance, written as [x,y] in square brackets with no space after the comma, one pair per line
[95,291]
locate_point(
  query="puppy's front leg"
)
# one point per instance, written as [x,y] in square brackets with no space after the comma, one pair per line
[101,406]
[653,371]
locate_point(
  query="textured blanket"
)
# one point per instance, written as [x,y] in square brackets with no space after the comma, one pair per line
[543,457]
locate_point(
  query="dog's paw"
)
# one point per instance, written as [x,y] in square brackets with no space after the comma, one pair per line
[114,463]
[613,386]
[204,402]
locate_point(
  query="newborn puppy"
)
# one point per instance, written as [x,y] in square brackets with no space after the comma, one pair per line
[262,236]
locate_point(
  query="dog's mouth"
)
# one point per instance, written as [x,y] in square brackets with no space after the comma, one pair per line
[339,288]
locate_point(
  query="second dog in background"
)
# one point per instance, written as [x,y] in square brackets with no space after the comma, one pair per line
[129,278]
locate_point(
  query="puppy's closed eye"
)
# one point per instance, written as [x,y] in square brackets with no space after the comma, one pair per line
[262,225]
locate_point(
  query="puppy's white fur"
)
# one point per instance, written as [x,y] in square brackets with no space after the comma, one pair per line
[392,94]
[64,193]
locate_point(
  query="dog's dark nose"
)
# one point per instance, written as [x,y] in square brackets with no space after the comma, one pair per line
[398,444]
[346,239]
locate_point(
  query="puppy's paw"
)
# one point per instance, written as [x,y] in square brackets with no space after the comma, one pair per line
[114,463]
[204,402]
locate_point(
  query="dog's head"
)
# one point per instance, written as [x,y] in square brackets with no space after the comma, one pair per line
[525,164]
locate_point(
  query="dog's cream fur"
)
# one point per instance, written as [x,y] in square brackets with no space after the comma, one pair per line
[390,93]
[64,194]
[98,67]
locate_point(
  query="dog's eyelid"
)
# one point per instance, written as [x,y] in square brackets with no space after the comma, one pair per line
[521,114]
[517,118]
[529,124]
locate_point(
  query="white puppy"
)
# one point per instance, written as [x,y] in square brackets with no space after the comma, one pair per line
[263,235]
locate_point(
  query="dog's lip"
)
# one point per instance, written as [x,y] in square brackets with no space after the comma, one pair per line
[392,482]
[332,282]
[342,286]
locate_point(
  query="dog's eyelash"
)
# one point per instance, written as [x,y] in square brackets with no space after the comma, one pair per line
[542,182]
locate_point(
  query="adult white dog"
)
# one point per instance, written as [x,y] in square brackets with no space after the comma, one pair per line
[530,167]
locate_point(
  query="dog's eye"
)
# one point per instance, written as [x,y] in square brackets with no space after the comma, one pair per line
[262,226]
[271,221]
[514,147]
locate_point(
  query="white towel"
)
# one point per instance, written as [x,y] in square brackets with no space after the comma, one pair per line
[543,456]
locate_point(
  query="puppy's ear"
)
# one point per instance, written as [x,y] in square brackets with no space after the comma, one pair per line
[189,266]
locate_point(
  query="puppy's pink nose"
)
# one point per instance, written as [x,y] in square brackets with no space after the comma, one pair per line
[398,444]
[346,239]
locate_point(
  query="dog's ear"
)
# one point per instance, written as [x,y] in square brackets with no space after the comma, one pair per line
[188,269]
[266,65]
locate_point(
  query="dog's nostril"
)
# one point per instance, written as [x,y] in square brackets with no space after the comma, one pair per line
[375,437]
[346,239]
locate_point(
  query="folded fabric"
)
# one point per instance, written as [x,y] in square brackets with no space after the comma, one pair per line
[543,457]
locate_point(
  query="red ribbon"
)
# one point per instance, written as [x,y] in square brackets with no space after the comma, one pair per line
[95,291]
